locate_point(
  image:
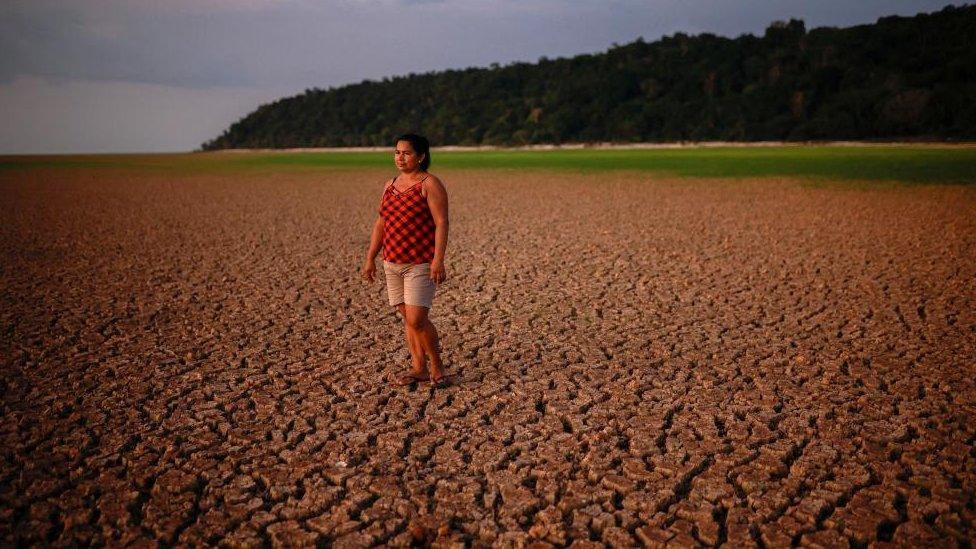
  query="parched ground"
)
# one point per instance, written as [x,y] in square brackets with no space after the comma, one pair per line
[194,360]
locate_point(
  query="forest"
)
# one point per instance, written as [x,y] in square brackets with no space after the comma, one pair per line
[901,78]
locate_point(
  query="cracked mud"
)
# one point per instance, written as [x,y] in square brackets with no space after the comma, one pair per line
[643,361]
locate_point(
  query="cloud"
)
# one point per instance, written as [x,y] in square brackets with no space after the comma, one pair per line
[216,55]
[143,5]
[81,116]
[303,43]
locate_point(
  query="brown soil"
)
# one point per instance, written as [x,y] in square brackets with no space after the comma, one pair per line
[195,360]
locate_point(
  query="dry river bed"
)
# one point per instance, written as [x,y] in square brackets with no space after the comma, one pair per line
[194,360]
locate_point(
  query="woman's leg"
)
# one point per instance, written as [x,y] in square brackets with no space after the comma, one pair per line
[426,335]
[417,356]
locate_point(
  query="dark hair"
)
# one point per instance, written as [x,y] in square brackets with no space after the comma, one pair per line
[420,146]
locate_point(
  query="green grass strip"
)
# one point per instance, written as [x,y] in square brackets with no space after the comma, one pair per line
[908,164]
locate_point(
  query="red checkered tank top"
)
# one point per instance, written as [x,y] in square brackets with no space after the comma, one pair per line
[408,226]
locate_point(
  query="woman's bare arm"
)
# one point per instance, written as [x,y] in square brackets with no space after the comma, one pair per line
[437,201]
[376,239]
[375,242]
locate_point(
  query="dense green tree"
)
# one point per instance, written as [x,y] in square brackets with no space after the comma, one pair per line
[900,78]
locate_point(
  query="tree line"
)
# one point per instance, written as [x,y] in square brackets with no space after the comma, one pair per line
[899,78]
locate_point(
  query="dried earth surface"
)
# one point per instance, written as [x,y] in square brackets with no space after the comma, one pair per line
[643,361]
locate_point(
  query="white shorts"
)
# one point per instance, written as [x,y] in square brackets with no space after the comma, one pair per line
[409,284]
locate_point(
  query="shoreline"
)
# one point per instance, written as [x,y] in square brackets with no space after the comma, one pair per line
[622,146]
[607,146]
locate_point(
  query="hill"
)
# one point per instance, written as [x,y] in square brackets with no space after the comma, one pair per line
[899,78]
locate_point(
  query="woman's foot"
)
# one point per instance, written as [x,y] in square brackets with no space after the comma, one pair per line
[413,377]
[439,379]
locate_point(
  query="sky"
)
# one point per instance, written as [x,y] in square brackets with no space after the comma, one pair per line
[80,76]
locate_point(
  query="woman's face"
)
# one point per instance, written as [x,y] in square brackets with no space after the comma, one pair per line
[407,159]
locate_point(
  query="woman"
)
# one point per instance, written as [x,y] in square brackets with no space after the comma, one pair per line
[412,230]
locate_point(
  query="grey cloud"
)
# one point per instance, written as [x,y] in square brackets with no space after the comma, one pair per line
[301,44]
[44,116]
[128,44]
[168,75]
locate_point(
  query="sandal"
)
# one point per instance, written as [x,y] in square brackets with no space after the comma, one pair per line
[441,382]
[410,379]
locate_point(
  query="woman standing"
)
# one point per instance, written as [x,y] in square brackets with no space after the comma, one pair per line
[412,231]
